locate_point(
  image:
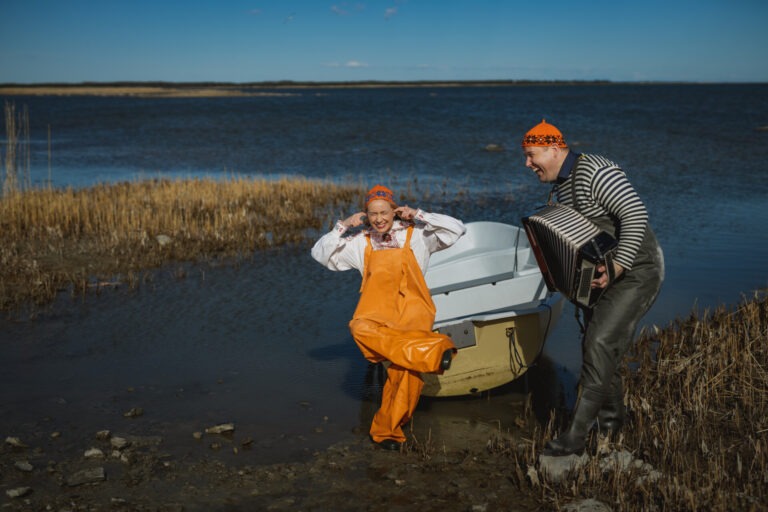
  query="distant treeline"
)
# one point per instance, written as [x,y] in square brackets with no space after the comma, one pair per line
[291,83]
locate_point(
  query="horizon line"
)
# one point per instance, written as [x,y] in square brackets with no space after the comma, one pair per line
[351,83]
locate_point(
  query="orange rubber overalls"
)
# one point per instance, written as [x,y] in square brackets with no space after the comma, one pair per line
[393,321]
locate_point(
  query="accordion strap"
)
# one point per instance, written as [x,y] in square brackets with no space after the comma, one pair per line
[574,199]
[572,177]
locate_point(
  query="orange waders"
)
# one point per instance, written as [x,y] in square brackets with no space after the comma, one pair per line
[393,321]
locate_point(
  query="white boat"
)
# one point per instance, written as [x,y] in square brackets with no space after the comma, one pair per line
[492,300]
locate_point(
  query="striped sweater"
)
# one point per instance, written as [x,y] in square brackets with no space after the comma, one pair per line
[597,187]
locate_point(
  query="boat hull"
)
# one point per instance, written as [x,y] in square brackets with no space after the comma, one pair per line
[493,352]
[493,302]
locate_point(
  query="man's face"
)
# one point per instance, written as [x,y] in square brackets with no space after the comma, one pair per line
[543,161]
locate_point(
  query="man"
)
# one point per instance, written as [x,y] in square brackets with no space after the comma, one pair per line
[598,188]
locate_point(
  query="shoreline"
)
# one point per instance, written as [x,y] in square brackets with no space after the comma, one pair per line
[278,88]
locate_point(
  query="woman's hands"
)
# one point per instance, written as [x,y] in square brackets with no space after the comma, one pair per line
[405,212]
[357,219]
[354,220]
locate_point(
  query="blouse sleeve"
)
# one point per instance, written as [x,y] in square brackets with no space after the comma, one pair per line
[440,231]
[337,252]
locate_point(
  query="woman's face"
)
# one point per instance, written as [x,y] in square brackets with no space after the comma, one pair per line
[381,215]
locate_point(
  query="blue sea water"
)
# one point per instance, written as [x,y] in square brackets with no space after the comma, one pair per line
[265,343]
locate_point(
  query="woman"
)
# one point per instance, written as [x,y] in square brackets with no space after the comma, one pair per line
[394,316]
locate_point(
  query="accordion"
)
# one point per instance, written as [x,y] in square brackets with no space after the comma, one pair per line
[568,248]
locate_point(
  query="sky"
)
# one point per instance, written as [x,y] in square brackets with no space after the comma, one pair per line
[388,40]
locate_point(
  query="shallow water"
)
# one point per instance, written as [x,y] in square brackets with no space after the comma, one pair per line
[264,343]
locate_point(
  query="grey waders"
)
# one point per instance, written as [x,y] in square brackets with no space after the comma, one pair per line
[573,440]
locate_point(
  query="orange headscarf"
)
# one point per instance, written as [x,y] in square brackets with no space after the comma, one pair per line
[544,134]
[380,192]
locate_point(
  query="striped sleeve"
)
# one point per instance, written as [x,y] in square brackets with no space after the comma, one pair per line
[612,190]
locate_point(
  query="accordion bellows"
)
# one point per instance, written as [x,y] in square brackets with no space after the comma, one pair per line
[568,248]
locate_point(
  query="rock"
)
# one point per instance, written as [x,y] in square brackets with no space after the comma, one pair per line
[15,442]
[119,442]
[557,469]
[223,428]
[588,505]
[103,435]
[616,461]
[282,504]
[94,453]
[135,412]
[55,435]
[23,465]
[124,457]
[197,435]
[494,148]
[18,492]
[87,476]
[143,441]
[651,478]
[533,476]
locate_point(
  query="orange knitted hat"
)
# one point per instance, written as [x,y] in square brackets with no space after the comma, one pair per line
[544,134]
[380,192]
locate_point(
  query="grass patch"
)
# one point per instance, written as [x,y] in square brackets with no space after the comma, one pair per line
[698,415]
[52,239]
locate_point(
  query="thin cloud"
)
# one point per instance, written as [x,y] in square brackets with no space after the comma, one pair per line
[338,9]
[254,12]
[390,12]
[344,9]
[349,64]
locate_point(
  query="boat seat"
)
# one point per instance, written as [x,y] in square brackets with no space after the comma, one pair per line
[489,252]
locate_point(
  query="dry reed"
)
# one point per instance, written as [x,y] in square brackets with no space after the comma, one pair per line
[698,414]
[54,238]
[17,150]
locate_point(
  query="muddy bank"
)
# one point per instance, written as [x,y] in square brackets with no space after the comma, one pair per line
[459,471]
[694,440]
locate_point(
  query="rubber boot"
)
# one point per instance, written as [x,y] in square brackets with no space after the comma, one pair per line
[610,418]
[573,440]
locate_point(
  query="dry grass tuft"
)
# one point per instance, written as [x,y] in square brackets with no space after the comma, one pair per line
[698,414]
[51,239]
